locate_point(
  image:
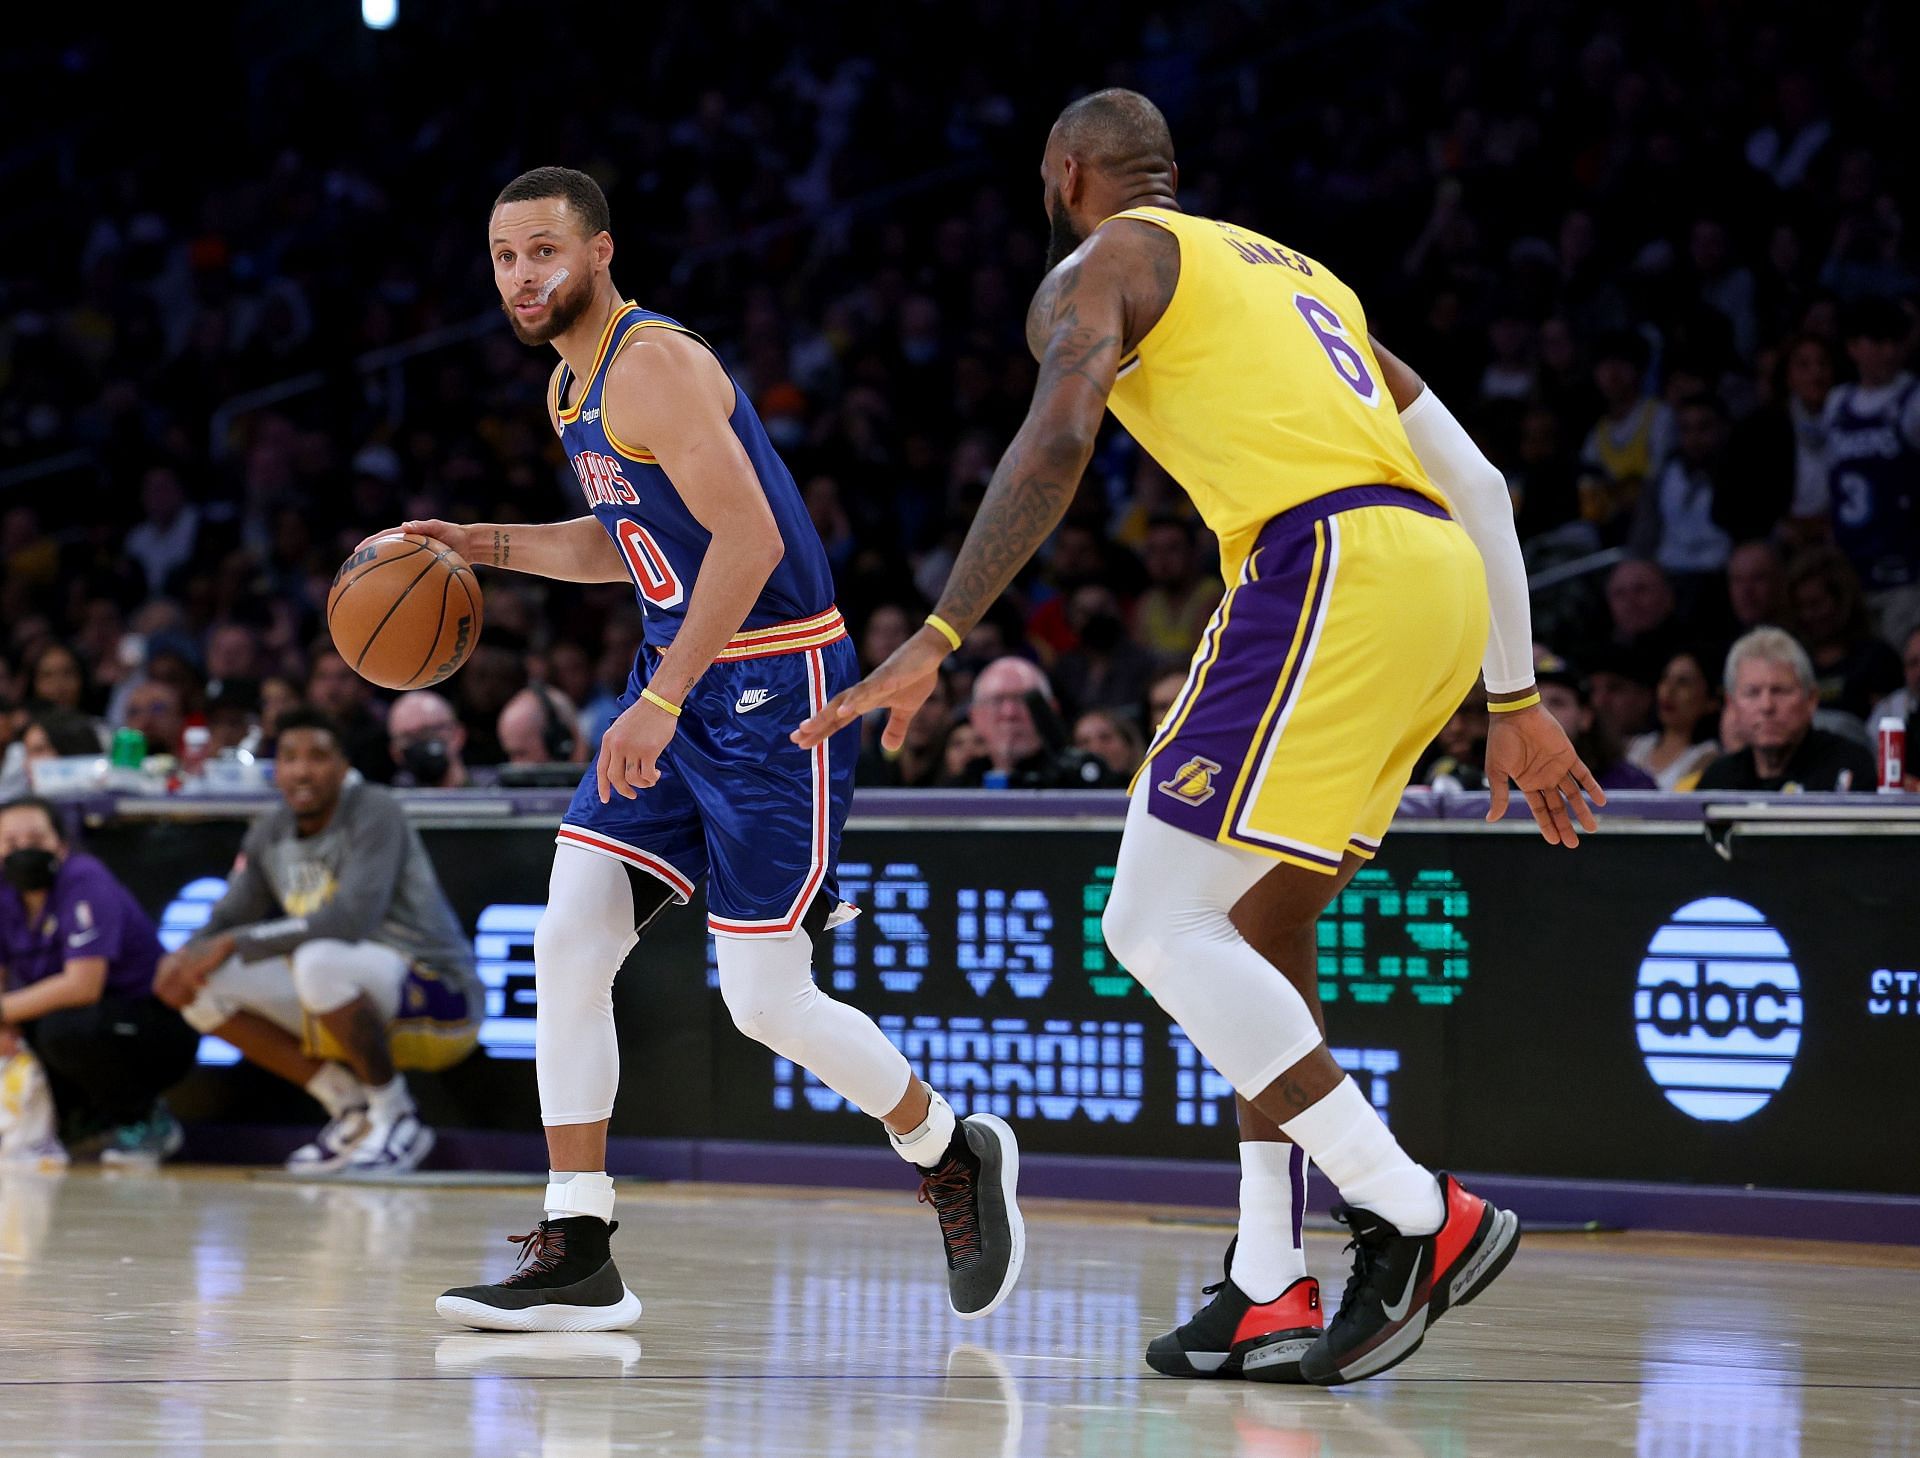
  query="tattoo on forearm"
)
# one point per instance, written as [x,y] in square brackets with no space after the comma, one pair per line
[502,546]
[1036,479]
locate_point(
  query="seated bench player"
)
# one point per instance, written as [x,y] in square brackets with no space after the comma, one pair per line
[77,955]
[334,959]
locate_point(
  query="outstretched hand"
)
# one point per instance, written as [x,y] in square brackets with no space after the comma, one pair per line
[900,685]
[1530,748]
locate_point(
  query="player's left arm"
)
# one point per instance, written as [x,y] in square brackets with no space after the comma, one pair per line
[79,983]
[1524,745]
[1078,327]
[669,392]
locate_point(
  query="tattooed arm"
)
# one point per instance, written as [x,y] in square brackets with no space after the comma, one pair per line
[1085,316]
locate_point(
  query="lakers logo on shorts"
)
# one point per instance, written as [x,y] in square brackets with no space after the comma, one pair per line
[1192,783]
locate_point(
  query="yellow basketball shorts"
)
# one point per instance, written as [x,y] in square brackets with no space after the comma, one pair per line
[1354,631]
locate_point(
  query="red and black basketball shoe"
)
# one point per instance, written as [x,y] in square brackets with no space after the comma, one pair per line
[1236,1336]
[1402,1284]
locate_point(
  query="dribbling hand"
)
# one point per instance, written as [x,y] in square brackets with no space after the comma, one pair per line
[1530,748]
[447,533]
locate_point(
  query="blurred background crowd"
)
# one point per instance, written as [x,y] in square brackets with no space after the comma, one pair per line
[1654,257]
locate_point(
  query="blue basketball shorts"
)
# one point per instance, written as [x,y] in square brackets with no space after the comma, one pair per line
[738,804]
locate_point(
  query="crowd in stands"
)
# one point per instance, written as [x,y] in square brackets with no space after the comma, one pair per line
[1654,258]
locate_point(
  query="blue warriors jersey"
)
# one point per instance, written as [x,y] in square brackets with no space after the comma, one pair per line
[661,542]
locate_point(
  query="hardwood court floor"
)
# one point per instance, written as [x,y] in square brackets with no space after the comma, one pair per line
[204,1313]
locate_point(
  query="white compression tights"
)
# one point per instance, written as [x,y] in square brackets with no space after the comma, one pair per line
[769,987]
[1167,921]
[585,935]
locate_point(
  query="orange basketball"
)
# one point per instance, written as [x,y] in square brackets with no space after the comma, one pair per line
[404,611]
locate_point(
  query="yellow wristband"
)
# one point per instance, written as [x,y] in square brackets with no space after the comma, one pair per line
[659,703]
[945,629]
[1514,706]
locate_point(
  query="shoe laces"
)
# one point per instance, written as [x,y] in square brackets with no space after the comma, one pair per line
[541,1249]
[949,1189]
[1366,1254]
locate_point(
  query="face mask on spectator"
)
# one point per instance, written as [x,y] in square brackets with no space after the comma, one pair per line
[427,761]
[31,869]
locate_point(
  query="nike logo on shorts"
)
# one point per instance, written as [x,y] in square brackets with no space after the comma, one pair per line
[752,699]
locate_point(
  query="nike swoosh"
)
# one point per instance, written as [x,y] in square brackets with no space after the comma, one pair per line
[743,707]
[79,939]
[1398,1312]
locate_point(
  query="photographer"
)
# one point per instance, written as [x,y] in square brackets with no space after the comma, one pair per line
[1016,714]
[77,957]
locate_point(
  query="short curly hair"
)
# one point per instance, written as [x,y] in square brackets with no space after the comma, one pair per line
[579,191]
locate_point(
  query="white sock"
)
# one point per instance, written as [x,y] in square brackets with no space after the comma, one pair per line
[927,1145]
[579,1192]
[389,1101]
[1359,1154]
[337,1090]
[1267,1257]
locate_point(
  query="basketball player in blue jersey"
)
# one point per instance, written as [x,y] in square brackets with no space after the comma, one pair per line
[697,780]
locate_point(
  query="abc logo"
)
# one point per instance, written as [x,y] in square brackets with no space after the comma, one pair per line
[1718,1009]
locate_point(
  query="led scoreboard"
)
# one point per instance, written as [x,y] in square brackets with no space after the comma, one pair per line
[1641,1008]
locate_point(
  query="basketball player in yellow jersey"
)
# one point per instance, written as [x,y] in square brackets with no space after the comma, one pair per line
[1367,545]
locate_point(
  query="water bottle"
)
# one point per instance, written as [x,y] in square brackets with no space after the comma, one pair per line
[196,743]
[1890,739]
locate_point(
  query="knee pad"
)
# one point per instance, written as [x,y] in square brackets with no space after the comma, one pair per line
[319,979]
[768,986]
[1130,936]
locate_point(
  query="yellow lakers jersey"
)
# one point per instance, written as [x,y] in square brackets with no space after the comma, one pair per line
[1257,389]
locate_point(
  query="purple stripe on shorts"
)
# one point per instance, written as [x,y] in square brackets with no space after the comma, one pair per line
[1297,1172]
[1350,498]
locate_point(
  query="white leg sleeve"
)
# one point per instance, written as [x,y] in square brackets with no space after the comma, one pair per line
[583,936]
[1168,922]
[264,988]
[769,988]
[329,974]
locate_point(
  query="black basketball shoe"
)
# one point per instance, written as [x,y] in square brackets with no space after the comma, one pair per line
[972,1191]
[1402,1284]
[1236,1336]
[565,1281]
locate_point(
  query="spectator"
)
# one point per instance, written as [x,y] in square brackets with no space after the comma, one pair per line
[1565,695]
[888,626]
[1904,702]
[1756,587]
[164,541]
[56,676]
[1458,756]
[917,763]
[963,757]
[154,709]
[426,739]
[539,726]
[1620,687]
[333,960]
[1687,707]
[1108,670]
[233,651]
[1077,559]
[1784,437]
[1630,441]
[492,676]
[1172,613]
[1869,462]
[1687,520]
[1162,694]
[1769,679]
[233,714]
[1113,739]
[78,956]
[1643,609]
[278,694]
[341,694]
[1852,668]
[1015,711]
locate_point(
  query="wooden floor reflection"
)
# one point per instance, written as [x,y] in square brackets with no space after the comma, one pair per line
[193,1313]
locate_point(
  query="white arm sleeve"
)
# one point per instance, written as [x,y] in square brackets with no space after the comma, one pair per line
[1479,495]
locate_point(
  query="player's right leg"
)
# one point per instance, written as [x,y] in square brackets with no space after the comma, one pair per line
[599,900]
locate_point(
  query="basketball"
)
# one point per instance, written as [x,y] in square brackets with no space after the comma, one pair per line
[404,611]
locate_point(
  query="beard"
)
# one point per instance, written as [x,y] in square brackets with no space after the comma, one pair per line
[563,312]
[1061,239]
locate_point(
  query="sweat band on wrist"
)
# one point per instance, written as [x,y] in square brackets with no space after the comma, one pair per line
[659,703]
[945,629]
[1513,706]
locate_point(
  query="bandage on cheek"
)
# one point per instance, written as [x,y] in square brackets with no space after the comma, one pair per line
[559,277]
